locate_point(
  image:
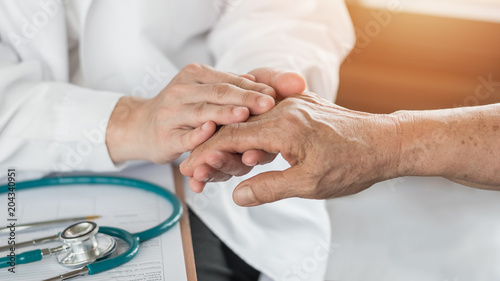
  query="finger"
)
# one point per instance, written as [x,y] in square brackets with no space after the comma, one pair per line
[257,157]
[248,76]
[195,115]
[269,187]
[227,163]
[289,84]
[235,138]
[228,94]
[205,74]
[186,169]
[241,82]
[284,83]
[220,176]
[205,173]
[196,186]
[189,139]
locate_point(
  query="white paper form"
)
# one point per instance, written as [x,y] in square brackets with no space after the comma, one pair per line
[135,210]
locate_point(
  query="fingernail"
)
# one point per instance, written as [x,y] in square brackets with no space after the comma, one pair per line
[249,164]
[264,102]
[205,126]
[207,178]
[238,111]
[186,163]
[244,196]
[252,164]
[269,92]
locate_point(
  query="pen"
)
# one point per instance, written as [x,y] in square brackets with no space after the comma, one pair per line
[33,224]
[30,243]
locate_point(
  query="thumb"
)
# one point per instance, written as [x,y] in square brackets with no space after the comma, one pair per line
[284,83]
[268,187]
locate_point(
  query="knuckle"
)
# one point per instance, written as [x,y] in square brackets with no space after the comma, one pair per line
[199,111]
[221,91]
[193,68]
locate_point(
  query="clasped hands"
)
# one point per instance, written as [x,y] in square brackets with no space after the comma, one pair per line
[188,110]
[332,151]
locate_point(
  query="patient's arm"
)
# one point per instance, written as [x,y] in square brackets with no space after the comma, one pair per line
[335,152]
[461,144]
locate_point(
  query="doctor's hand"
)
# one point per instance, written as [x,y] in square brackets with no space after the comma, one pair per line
[332,151]
[222,165]
[184,114]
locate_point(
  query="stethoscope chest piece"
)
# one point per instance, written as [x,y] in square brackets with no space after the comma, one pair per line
[84,245]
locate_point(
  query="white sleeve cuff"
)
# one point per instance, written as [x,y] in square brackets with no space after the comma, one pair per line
[81,130]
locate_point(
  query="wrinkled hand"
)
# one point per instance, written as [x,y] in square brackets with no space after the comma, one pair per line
[221,165]
[332,151]
[184,114]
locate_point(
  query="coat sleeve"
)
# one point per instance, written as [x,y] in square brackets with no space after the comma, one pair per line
[48,126]
[310,37]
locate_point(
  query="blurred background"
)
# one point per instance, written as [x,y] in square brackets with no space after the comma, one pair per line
[422,54]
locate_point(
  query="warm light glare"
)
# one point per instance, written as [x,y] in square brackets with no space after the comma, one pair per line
[436,58]
[484,10]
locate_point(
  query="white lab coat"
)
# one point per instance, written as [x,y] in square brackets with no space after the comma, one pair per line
[56,96]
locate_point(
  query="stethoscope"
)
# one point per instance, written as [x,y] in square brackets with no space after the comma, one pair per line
[87,246]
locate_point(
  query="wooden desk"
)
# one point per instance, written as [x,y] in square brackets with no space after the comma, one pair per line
[187,243]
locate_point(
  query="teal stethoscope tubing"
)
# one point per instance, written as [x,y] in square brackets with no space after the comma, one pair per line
[132,240]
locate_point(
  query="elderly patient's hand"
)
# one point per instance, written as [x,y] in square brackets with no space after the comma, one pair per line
[333,151]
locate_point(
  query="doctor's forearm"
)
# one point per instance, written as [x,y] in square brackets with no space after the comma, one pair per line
[461,144]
